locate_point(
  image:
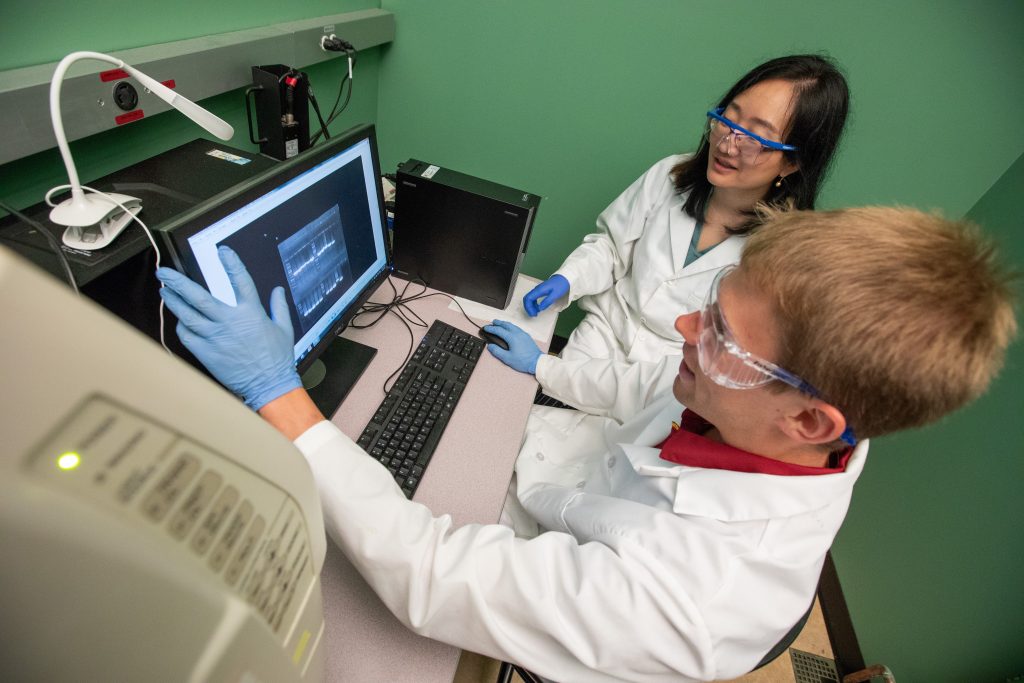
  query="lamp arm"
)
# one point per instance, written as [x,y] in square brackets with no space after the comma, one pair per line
[81,210]
[58,122]
[202,117]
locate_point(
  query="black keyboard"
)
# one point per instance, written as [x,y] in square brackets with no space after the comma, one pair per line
[404,431]
[542,399]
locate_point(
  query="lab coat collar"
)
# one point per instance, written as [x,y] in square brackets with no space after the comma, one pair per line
[681,227]
[744,496]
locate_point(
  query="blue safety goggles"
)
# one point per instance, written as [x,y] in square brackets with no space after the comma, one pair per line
[715,117]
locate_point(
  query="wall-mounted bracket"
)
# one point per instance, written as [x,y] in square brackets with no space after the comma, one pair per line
[200,68]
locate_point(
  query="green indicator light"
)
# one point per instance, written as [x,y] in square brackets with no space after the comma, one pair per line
[69,460]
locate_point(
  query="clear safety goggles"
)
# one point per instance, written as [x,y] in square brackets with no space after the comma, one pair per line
[749,145]
[726,363]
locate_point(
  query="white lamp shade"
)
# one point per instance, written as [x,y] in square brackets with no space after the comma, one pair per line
[202,117]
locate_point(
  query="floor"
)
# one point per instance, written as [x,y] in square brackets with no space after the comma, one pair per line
[813,639]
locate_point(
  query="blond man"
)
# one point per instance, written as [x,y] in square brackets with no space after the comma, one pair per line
[672,545]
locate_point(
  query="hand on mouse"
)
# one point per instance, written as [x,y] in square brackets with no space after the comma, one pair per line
[522,352]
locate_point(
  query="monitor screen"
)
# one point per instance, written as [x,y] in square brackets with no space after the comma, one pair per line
[313,225]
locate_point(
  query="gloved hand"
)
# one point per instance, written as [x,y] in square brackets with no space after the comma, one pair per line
[522,352]
[249,353]
[545,294]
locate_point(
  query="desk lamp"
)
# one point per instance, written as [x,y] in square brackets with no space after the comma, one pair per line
[101,211]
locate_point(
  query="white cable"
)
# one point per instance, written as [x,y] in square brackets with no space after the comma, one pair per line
[145,229]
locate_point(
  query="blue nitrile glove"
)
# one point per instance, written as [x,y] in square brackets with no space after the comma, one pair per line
[249,353]
[545,294]
[522,352]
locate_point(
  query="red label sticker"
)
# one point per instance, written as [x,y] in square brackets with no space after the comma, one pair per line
[129,117]
[169,83]
[113,75]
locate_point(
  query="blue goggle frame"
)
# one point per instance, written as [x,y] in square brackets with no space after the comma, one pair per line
[716,114]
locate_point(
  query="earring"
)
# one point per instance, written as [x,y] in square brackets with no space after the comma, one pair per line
[778,183]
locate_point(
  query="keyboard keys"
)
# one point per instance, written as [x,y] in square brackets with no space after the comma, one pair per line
[407,426]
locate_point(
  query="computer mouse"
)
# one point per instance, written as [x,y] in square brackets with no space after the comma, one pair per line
[492,338]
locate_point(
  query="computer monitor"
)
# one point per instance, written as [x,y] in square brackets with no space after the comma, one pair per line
[314,225]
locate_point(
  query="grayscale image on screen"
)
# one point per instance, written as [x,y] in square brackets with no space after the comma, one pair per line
[316,264]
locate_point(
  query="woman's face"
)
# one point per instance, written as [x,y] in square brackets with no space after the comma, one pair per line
[764,109]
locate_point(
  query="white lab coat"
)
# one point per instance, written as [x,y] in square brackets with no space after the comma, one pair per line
[630,279]
[652,571]
[629,276]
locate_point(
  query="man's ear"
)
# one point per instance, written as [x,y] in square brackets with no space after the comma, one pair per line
[815,422]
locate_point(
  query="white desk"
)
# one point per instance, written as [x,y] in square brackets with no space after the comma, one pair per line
[467,479]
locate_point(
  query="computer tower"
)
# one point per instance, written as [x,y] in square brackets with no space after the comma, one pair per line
[460,234]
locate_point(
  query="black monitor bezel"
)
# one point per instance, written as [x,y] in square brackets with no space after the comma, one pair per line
[175,234]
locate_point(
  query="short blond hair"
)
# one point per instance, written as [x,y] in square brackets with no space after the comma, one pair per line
[897,316]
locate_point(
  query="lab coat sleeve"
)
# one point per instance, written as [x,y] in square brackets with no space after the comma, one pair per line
[606,256]
[567,611]
[602,386]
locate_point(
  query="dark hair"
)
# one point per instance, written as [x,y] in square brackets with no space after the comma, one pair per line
[822,100]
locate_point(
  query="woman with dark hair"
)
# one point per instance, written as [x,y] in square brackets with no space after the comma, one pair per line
[769,140]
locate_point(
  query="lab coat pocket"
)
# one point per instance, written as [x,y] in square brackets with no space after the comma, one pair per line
[556,433]
[557,446]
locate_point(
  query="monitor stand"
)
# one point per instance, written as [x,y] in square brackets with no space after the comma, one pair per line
[331,376]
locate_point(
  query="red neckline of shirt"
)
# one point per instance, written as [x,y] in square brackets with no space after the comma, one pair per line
[686,445]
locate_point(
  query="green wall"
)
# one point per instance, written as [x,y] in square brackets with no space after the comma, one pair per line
[31,35]
[929,557]
[574,99]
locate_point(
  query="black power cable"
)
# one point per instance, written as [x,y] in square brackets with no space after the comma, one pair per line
[319,116]
[335,112]
[291,78]
[50,239]
[398,306]
[335,44]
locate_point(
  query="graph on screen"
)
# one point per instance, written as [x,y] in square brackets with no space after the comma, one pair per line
[316,264]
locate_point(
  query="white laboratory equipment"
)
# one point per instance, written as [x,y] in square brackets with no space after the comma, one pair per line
[153,528]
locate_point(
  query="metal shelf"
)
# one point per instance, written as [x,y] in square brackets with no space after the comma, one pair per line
[200,68]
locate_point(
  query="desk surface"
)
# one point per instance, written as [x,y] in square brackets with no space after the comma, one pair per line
[467,479]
